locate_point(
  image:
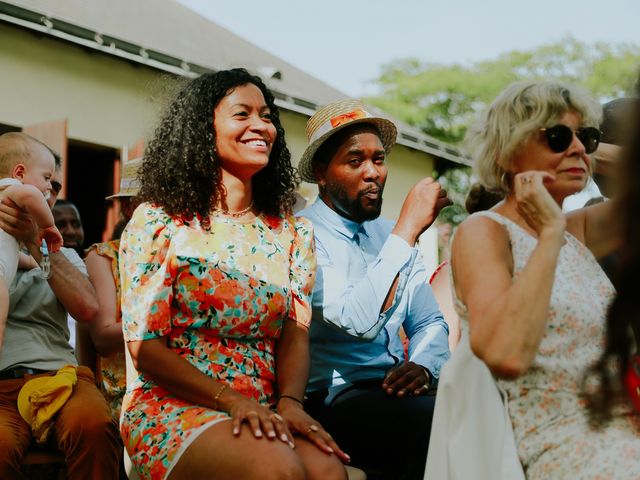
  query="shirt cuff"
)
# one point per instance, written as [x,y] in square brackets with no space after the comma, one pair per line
[401,254]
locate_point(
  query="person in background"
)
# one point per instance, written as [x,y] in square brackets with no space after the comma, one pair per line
[68,221]
[37,345]
[371,283]
[216,277]
[478,199]
[106,328]
[534,301]
[623,323]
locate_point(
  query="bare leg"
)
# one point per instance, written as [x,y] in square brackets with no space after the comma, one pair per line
[218,453]
[319,465]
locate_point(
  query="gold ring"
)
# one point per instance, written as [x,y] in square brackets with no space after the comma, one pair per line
[313,428]
[252,412]
[276,417]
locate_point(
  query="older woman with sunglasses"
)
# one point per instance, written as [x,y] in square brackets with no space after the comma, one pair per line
[530,291]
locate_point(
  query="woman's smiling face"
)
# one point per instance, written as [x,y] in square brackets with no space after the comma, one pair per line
[244,131]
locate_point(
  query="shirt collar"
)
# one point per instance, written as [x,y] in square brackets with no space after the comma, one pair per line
[343,225]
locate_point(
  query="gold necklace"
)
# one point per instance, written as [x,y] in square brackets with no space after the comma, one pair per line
[237,214]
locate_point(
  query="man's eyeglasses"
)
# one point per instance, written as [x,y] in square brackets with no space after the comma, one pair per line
[559,137]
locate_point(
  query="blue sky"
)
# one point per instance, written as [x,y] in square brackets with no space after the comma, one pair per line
[344,42]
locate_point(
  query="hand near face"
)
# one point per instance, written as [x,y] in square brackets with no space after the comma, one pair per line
[536,205]
[407,379]
[420,209]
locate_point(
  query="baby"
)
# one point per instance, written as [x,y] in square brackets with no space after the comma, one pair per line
[26,167]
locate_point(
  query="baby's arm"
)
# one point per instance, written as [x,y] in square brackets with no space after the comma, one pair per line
[32,200]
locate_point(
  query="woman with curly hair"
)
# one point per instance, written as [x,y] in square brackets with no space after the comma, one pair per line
[216,278]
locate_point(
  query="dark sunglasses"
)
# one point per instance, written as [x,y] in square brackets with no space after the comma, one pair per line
[559,137]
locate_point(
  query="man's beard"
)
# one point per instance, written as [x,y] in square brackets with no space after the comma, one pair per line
[355,209]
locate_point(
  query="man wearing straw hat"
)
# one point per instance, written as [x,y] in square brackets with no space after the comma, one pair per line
[370,282]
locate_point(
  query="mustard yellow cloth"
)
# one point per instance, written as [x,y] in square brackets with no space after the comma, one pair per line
[40,399]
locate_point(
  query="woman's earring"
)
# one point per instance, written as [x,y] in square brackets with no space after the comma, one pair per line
[505,180]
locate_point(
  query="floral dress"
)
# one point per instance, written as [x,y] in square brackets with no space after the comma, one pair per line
[219,294]
[550,421]
[110,370]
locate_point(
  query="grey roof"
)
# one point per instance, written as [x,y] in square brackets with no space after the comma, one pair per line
[167,35]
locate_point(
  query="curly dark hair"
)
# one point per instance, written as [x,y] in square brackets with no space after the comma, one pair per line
[181,171]
[623,322]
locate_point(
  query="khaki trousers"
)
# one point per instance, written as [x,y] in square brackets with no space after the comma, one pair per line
[83,431]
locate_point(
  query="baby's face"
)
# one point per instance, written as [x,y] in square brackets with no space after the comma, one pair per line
[39,171]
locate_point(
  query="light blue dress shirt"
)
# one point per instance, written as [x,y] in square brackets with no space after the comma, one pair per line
[357,264]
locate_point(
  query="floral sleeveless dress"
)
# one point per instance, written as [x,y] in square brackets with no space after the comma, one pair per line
[219,295]
[110,370]
[550,421]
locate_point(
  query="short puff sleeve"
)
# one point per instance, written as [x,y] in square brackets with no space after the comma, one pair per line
[147,273]
[303,271]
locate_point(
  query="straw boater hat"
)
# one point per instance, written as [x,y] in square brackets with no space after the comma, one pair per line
[129,183]
[332,118]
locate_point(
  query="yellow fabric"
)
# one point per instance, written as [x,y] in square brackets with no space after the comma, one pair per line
[40,399]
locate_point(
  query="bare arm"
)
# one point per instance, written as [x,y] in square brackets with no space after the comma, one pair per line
[106,331]
[174,373]
[177,375]
[292,369]
[292,361]
[72,287]
[507,319]
[441,287]
[507,316]
[598,227]
[30,199]
[85,351]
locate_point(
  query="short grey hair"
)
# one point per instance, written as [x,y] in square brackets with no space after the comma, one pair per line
[517,113]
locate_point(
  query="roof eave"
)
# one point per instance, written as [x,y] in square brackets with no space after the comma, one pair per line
[87,38]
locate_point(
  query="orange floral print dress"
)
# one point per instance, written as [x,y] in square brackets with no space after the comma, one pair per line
[219,296]
[110,370]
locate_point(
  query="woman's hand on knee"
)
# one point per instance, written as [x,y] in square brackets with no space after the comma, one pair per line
[301,423]
[259,419]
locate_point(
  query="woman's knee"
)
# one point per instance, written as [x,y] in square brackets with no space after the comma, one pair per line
[217,452]
[318,465]
[287,469]
[329,468]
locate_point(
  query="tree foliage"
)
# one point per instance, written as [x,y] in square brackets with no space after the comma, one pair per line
[442,100]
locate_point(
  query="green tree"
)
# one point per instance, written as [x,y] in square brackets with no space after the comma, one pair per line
[442,100]
[456,181]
